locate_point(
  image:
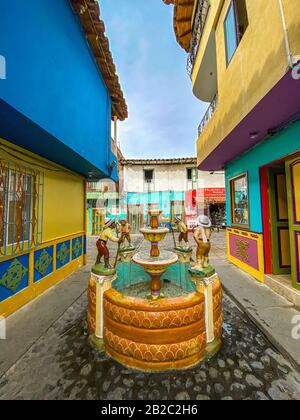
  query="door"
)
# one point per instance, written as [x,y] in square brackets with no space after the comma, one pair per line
[293,189]
[98,220]
[177,210]
[135,217]
[279,221]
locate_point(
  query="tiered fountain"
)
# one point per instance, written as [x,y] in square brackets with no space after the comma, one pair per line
[155,331]
[157,263]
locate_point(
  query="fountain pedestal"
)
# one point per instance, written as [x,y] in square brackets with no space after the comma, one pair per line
[98,285]
[155,267]
[208,284]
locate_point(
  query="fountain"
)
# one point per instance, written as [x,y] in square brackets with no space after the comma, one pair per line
[175,326]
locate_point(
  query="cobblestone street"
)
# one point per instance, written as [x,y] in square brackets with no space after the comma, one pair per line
[61,365]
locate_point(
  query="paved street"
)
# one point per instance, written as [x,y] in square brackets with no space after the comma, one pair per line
[61,365]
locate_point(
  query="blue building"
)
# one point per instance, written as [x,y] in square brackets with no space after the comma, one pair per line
[59,92]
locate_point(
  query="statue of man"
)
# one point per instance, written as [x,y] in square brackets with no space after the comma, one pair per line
[105,236]
[202,236]
[125,231]
[184,233]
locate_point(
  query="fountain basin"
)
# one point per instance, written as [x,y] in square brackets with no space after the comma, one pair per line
[155,336]
[164,260]
[176,332]
[154,235]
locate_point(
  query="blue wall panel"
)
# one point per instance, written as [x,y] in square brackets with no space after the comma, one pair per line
[63,254]
[77,247]
[53,81]
[43,263]
[18,268]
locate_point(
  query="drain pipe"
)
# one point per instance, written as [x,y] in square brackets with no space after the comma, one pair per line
[286,36]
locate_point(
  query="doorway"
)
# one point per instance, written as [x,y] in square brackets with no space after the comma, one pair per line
[279,220]
[280,190]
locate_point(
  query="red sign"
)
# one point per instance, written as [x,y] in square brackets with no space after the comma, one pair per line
[210,195]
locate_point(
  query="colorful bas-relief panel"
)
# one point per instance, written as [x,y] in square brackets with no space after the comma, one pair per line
[26,276]
[63,254]
[14,276]
[245,249]
[77,245]
[43,263]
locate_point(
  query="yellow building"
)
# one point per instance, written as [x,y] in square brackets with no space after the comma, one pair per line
[243,59]
[58,96]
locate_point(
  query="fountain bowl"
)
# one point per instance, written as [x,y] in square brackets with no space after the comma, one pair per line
[154,235]
[164,260]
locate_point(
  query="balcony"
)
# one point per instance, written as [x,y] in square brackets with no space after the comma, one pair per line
[201,14]
[208,115]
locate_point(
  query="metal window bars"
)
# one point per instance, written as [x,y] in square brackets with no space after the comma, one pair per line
[201,14]
[21,208]
[209,113]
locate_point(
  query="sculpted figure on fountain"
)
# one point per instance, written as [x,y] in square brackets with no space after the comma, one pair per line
[102,243]
[202,237]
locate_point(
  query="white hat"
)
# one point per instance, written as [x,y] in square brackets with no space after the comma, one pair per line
[177,219]
[109,222]
[204,221]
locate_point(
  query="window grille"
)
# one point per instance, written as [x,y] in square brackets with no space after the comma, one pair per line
[21,208]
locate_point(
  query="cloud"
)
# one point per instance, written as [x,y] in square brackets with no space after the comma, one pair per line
[163,113]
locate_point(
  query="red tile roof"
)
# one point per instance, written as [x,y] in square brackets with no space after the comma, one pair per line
[88,12]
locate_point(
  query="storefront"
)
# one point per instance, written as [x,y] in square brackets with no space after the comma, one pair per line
[263,218]
[212,202]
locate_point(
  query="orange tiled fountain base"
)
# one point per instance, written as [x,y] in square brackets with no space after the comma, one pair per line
[157,336]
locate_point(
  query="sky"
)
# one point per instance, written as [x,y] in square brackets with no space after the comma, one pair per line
[163,113]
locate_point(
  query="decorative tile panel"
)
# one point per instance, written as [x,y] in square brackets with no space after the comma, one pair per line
[14,276]
[43,263]
[62,254]
[76,248]
[245,249]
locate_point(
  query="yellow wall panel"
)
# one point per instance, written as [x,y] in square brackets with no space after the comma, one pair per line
[285,247]
[282,197]
[64,193]
[64,212]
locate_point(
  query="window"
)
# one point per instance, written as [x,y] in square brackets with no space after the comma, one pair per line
[240,201]
[235,25]
[192,175]
[149,175]
[21,198]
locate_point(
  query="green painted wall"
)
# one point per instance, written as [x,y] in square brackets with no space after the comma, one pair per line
[283,144]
